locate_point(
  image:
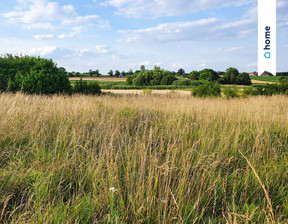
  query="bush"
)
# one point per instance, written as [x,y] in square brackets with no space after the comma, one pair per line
[151,78]
[243,79]
[32,75]
[231,92]
[207,89]
[252,91]
[209,75]
[186,82]
[87,88]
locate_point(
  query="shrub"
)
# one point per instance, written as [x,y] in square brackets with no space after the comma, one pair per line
[231,92]
[86,88]
[243,79]
[186,82]
[207,89]
[32,75]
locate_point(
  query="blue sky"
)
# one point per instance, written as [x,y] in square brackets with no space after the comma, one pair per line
[124,34]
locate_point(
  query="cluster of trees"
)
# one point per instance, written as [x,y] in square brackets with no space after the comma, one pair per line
[38,75]
[231,76]
[153,77]
[163,77]
[32,75]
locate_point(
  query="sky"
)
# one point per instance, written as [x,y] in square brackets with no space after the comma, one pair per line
[125,34]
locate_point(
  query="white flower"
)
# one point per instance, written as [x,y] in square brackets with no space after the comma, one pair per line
[113,189]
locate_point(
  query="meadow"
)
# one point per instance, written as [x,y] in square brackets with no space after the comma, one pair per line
[143,159]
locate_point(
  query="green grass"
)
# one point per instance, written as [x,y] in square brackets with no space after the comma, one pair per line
[143,159]
[266,78]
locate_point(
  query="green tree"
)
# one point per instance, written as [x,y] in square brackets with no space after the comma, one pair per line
[181,72]
[194,75]
[117,73]
[110,73]
[32,75]
[90,73]
[230,76]
[243,79]
[208,75]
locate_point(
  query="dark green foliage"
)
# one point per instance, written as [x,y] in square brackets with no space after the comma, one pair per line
[269,89]
[87,88]
[181,72]
[186,82]
[194,75]
[207,89]
[208,75]
[117,73]
[243,79]
[151,78]
[231,75]
[32,75]
[231,92]
[282,74]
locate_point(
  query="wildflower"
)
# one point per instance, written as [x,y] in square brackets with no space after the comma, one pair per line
[113,189]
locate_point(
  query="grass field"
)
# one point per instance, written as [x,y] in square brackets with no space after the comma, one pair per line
[266,78]
[143,159]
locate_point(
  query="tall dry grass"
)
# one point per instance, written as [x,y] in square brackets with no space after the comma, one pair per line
[143,159]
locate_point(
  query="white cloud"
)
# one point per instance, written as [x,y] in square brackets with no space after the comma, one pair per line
[234,49]
[202,65]
[75,31]
[200,30]
[42,51]
[41,37]
[35,12]
[102,49]
[163,8]
[46,26]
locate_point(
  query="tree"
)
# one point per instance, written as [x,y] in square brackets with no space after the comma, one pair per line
[243,79]
[142,67]
[90,73]
[110,73]
[97,73]
[130,72]
[117,73]
[123,74]
[208,75]
[230,76]
[32,75]
[151,77]
[181,72]
[194,75]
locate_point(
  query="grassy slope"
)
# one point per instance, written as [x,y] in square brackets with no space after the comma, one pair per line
[266,78]
[170,159]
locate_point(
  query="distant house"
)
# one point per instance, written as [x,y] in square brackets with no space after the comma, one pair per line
[253,74]
[264,74]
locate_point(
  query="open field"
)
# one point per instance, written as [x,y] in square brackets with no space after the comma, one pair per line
[265,79]
[106,79]
[143,159]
